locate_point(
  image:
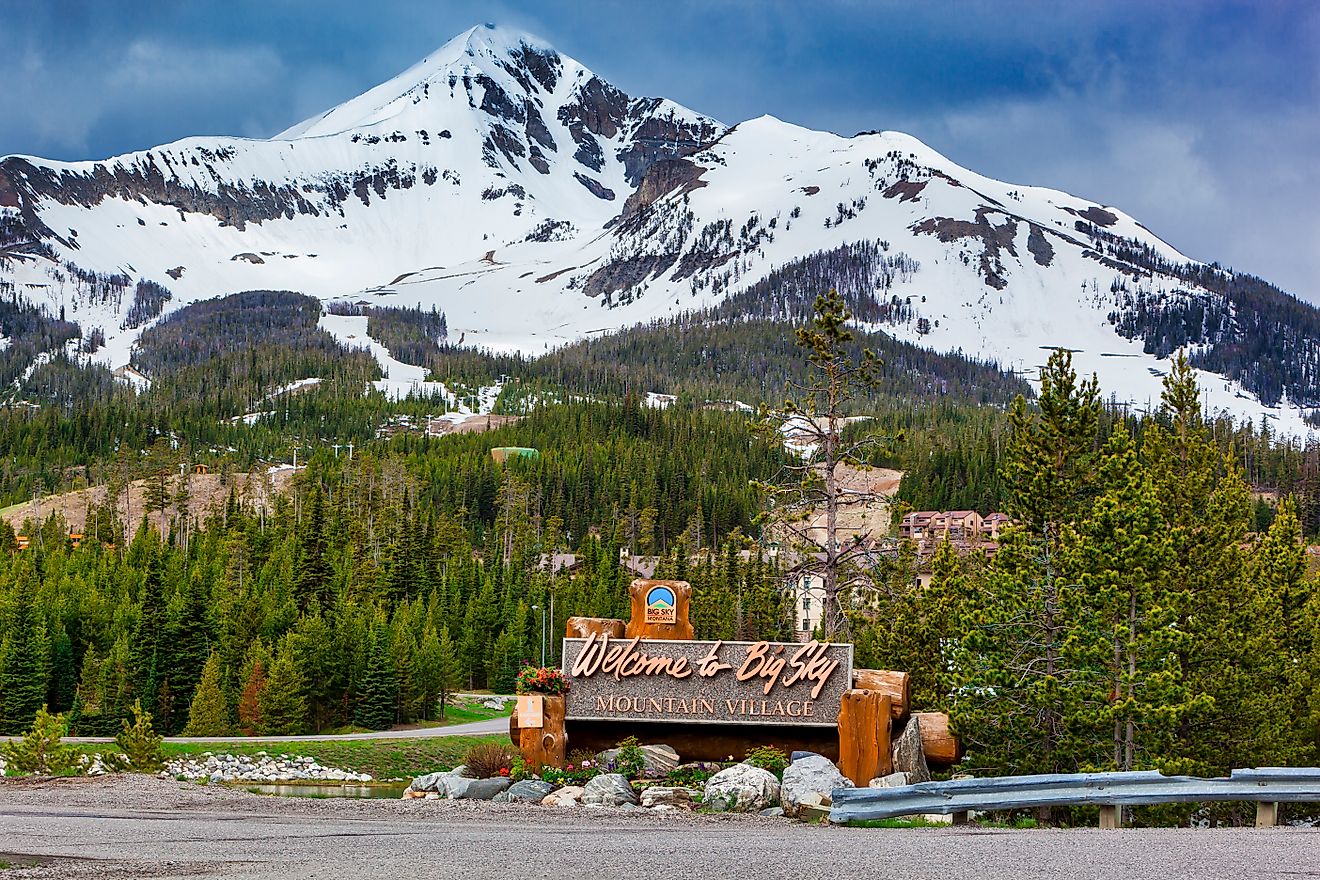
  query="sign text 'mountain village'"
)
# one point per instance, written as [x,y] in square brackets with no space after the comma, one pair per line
[710,681]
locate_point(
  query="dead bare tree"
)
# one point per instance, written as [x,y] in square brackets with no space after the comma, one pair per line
[812,420]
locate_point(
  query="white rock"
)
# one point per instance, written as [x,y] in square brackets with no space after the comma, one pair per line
[812,774]
[609,790]
[741,788]
[568,796]
[659,796]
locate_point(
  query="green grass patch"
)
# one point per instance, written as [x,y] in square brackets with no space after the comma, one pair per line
[382,758]
[897,822]
[919,822]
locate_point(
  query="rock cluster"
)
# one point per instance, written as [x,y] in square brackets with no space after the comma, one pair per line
[258,768]
[807,786]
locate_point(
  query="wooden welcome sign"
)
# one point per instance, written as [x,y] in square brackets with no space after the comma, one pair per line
[711,700]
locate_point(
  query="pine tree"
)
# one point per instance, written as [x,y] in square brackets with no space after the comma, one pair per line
[208,715]
[283,705]
[449,670]
[255,681]
[374,707]
[147,658]
[63,675]
[1128,694]
[314,573]
[187,646]
[23,656]
[429,661]
[140,743]
[1049,462]
[1016,690]
[41,748]
[1278,646]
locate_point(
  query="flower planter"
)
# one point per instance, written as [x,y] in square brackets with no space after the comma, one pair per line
[545,745]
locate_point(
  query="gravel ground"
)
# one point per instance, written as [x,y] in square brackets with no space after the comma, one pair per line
[122,827]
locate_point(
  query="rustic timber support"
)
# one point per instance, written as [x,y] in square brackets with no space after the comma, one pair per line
[941,747]
[1267,814]
[660,610]
[864,718]
[898,685]
[582,627]
[545,744]
[1111,817]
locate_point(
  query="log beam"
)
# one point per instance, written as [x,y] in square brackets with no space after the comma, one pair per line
[941,747]
[864,718]
[898,685]
[582,627]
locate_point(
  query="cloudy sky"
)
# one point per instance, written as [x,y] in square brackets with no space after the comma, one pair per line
[1202,119]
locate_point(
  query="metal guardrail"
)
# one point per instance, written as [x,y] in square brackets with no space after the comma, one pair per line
[1268,785]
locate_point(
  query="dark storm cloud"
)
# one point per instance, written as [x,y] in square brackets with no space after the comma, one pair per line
[1202,119]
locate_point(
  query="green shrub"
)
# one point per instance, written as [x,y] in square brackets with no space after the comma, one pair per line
[768,758]
[693,775]
[631,760]
[140,743]
[41,750]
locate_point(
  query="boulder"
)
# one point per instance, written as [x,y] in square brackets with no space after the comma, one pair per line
[773,812]
[568,796]
[609,790]
[531,791]
[660,759]
[664,796]
[428,782]
[485,789]
[741,788]
[445,783]
[810,775]
[454,787]
[711,767]
[798,756]
[893,780]
[908,755]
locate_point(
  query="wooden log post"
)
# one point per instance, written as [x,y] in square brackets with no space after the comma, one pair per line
[1267,814]
[582,627]
[542,744]
[941,747]
[864,718]
[898,685]
[1111,817]
[660,610]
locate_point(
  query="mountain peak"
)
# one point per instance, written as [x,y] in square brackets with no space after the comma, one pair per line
[487,48]
[499,39]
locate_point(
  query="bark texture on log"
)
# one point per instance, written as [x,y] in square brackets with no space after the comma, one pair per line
[582,627]
[898,685]
[679,630]
[514,736]
[941,747]
[546,746]
[908,755]
[864,718]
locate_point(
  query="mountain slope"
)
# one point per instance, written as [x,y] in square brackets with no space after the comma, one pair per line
[534,204]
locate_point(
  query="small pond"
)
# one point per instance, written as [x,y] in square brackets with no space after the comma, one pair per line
[326,790]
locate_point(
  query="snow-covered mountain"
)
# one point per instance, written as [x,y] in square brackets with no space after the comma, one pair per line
[535,203]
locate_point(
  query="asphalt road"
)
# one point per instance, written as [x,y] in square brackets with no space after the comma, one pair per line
[160,828]
[472,728]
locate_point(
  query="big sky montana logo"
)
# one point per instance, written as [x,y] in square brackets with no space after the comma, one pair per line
[660,606]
